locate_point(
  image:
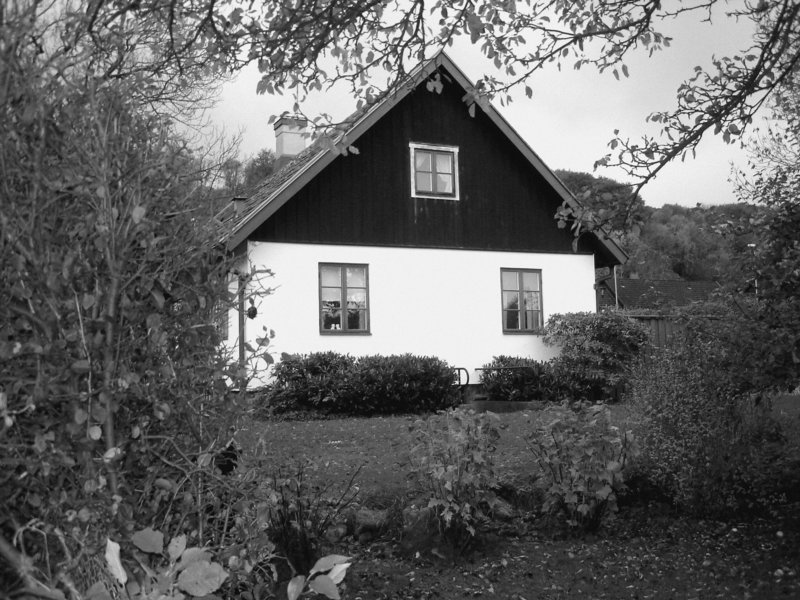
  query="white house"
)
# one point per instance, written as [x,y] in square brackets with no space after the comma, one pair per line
[435,236]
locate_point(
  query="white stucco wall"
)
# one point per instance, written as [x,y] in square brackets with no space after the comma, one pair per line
[443,303]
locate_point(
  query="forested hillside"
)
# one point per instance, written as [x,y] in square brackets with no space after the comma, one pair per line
[714,242]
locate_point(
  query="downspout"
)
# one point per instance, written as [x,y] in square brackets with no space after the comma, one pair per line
[616,292]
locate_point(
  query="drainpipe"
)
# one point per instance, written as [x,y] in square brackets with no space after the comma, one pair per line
[616,292]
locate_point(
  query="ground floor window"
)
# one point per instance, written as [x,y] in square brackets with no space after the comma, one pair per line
[521,291]
[343,298]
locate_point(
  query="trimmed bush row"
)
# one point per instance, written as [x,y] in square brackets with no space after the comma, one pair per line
[521,379]
[333,383]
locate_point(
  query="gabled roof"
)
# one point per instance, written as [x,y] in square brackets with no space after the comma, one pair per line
[661,293]
[270,195]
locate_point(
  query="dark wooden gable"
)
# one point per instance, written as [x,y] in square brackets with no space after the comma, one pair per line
[365,198]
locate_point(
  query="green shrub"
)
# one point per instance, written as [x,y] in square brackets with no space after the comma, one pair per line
[708,440]
[580,462]
[596,351]
[333,383]
[452,460]
[296,514]
[316,381]
[400,384]
[517,378]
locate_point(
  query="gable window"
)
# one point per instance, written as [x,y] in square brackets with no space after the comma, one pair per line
[434,171]
[343,298]
[522,300]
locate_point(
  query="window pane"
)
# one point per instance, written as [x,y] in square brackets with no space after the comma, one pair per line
[357,319]
[530,282]
[331,276]
[511,319]
[444,184]
[510,300]
[424,182]
[532,301]
[356,298]
[356,277]
[531,319]
[332,296]
[444,163]
[510,281]
[331,319]
[422,161]
[331,304]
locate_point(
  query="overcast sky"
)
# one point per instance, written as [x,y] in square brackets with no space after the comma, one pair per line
[572,115]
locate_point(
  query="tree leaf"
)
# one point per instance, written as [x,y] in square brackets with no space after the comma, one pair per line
[192,555]
[604,492]
[112,454]
[81,366]
[201,578]
[149,540]
[114,563]
[338,572]
[80,416]
[176,547]
[326,563]
[98,592]
[158,297]
[322,584]
[137,214]
[295,587]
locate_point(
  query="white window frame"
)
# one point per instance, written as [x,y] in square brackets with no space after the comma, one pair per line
[413,147]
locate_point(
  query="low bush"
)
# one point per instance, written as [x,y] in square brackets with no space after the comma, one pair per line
[400,384]
[296,514]
[309,382]
[580,462]
[174,571]
[452,460]
[596,352]
[709,442]
[517,378]
[332,383]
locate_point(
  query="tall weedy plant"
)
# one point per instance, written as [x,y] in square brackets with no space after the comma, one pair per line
[452,460]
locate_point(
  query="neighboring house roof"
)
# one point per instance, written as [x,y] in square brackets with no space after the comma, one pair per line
[654,293]
[246,214]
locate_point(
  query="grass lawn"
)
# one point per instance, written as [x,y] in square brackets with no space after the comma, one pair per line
[647,552]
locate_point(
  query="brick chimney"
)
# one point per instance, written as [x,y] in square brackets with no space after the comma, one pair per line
[290,139]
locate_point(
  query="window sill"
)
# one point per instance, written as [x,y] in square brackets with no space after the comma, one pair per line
[345,333]
[434,197]
[523,332]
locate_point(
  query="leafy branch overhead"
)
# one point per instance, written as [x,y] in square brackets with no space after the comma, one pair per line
[304,46]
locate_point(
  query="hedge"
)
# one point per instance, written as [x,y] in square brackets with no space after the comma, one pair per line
[332,383]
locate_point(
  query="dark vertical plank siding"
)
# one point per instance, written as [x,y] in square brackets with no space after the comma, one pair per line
[366,199]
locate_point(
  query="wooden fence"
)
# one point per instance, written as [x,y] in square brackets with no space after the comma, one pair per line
[663,327]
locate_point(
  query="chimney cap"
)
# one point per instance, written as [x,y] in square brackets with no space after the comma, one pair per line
[291,121]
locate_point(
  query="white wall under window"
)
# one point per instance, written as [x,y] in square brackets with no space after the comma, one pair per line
[444,303]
